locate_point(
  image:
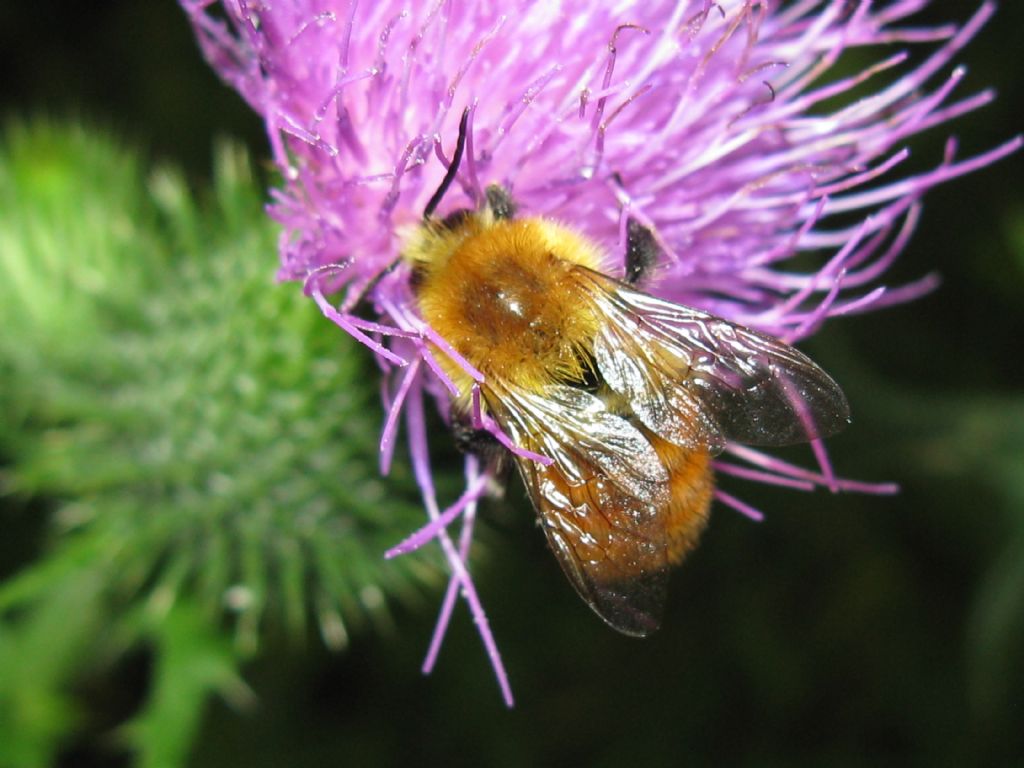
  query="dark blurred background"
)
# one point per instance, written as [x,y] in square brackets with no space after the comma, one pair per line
[847,630]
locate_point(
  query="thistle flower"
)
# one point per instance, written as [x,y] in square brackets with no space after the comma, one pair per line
[712,124]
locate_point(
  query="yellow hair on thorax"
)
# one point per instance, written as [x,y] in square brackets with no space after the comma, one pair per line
[504,293]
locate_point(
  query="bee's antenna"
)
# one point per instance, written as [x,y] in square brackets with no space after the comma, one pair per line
[453,167]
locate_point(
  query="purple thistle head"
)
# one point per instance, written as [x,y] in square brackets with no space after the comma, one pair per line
[712,124]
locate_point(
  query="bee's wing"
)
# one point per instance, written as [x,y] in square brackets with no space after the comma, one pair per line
[601,503]
[699,381]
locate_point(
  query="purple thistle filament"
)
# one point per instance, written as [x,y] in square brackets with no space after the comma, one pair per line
[710,123]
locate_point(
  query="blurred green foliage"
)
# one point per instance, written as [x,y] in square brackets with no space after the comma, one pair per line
[148,565]
[206,444]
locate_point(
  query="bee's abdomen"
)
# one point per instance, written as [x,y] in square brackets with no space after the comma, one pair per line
[691,485]
[624,538]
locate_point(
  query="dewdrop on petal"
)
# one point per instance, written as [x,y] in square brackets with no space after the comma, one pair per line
[698,123]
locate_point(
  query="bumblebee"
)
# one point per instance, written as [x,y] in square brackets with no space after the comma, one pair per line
[627,396]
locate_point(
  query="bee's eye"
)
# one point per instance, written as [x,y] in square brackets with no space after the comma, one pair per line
[456,219]
[417,275]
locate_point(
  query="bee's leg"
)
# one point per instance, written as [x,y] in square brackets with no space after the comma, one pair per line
[500,202]
[642,252]
[479,442]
